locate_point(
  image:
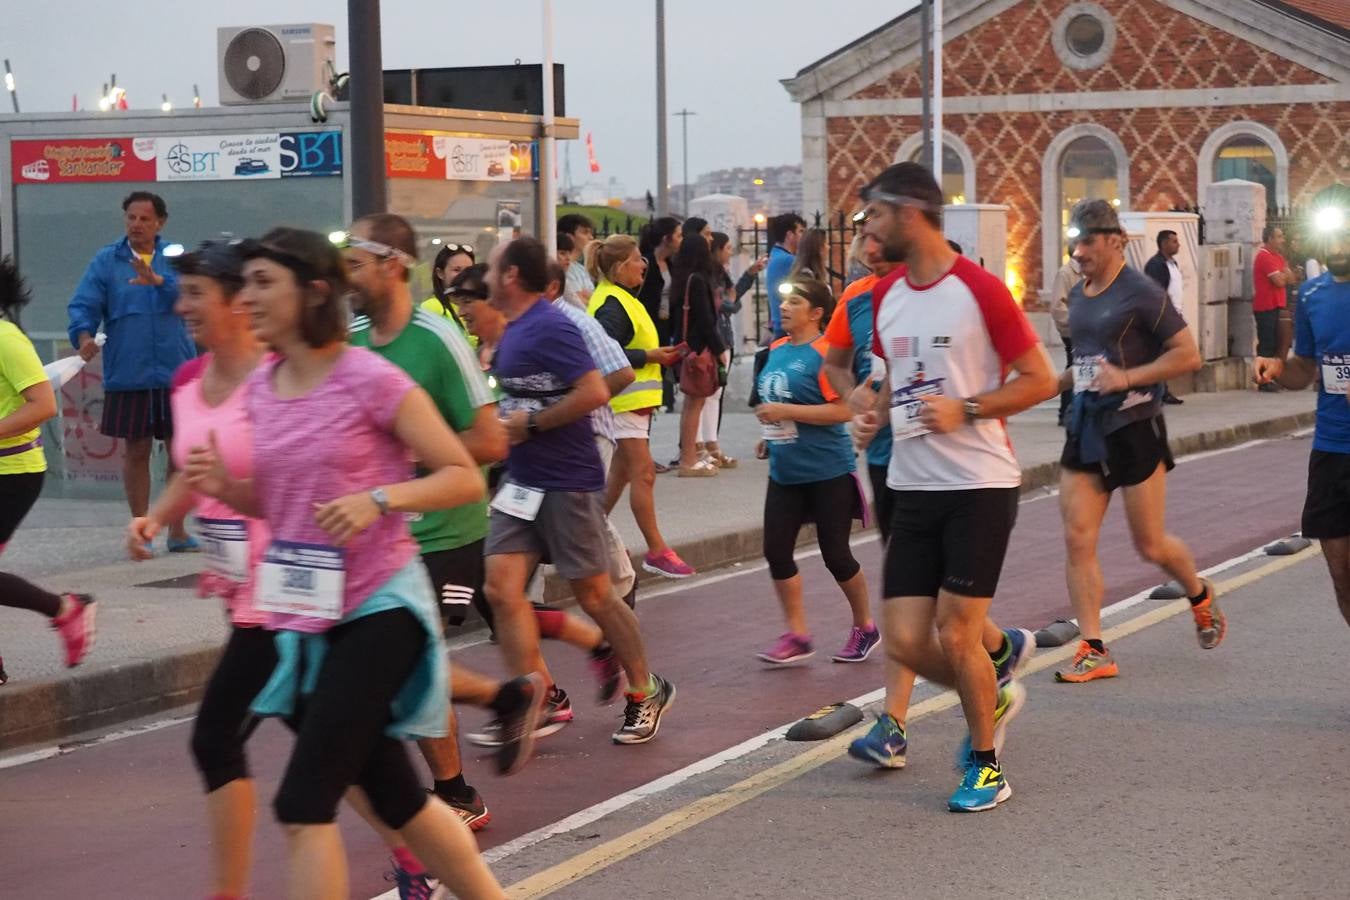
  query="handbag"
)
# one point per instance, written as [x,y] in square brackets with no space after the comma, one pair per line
[698,371]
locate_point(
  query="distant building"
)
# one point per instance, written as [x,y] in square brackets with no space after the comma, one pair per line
[768,190]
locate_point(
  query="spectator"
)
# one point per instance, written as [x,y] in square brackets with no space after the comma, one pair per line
[451,259]
[581,230]
[1067,276]
[696,226]
[483,322]
[566,251]
[1163,268]
[728,297]
[693,276]
[659,241]
[130,289]
[810,262]
[784,233]
[1270,276]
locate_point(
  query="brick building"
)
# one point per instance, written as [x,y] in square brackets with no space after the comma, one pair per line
[1143,102]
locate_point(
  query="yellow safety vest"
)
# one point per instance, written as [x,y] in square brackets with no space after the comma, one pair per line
[645,391]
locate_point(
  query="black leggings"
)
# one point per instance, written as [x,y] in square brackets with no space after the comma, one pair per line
[18,493]
[340,739]
[883,501]
[830,505]
[224,722]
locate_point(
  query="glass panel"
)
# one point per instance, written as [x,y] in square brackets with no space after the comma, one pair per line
[1085,34]
[953,174]
[1250,159]
[1087,171]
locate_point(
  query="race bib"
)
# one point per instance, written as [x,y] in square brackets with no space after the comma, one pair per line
[907,408]
[1085,370]
[302,580]
[1335,372]
[518,501]
[225,546]
[784,432]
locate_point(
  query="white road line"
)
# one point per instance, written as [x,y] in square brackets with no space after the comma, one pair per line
[71,746]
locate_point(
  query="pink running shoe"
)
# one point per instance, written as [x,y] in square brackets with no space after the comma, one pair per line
[607,671]
[668,564]
[859,645]
[789,649]
[76,627]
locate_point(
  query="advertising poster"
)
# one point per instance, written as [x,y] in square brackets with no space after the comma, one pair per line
[474,159]
[68,161]
[411,156]
[218,157]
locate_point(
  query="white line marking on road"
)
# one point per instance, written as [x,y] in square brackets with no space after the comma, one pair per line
[72,745]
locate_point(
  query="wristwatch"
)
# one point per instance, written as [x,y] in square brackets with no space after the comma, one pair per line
[381,500]
[531,426]
[971,407]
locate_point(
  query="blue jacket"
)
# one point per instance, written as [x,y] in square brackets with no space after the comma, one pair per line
[780,264]
[147,341]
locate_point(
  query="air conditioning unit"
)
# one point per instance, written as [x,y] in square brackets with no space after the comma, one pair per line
[273,63]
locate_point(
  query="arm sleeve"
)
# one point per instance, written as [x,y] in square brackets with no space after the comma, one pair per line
[743,284]
[384,387]
[826,389]
[1008,328]
[86,308]
[1263,266]
[1304,345]
[19,363]
[565,353]
[838,334]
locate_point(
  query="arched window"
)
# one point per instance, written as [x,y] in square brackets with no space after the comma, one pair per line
[953,178]
[1247,157]
[1087,171]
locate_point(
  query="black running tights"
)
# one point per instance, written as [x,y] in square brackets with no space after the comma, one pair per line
[224,722]
[830,505]
[18,493]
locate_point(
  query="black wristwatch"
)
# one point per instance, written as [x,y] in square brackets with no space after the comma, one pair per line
[531,426]
[971,407]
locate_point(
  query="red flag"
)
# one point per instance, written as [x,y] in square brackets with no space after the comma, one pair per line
[590,153]
[122,100]
[74,102]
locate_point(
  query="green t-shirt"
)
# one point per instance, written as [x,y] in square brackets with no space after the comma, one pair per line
[435,354]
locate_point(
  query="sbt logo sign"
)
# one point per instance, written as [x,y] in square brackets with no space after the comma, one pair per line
[311,153]
[183,160]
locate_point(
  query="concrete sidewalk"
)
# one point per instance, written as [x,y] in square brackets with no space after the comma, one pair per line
[157,641]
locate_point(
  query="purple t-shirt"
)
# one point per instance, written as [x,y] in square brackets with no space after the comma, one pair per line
[540,356]
[336,440]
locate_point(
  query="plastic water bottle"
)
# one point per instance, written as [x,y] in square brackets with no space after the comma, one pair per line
[66,368]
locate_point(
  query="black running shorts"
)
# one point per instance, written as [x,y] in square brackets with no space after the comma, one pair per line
[1133,454]
[949,540]
[457,576]
[1326,511]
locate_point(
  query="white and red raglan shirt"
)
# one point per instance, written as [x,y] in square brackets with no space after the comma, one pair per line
[956,337]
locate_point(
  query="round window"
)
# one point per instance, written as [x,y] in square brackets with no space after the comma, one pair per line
[1085,34]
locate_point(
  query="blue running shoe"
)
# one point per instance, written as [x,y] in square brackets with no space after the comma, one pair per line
[884,745]
[1022,647]
[983,787]
[1011,699]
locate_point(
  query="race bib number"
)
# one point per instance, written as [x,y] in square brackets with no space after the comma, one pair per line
[518,501]
[1085,369]
[225,546]
[784,432]
[302,580]
[1335,373]
[907,408]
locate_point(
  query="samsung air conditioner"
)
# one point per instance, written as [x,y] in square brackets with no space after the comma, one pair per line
[273,63]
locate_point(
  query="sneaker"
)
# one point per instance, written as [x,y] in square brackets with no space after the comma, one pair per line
[1210,622]
[983,787]
[1023,649]
[884,745]
[642,718]
[605,667]
[186,545]
[1088,665]
[410,886]
[472,811]
[789,649]
[668,564]
[557,713]
[859,645]
[519,722]
[1011,698]
[76,627]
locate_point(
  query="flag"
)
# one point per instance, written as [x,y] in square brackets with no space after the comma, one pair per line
[590,154]
[74,102]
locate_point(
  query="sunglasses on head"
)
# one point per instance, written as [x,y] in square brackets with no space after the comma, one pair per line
[459,248]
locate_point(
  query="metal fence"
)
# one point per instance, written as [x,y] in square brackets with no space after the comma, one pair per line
[839,234]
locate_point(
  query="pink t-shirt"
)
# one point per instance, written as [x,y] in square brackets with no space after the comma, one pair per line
[336,440]
[194,420]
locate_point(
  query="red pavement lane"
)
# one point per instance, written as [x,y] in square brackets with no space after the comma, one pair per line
[124,819]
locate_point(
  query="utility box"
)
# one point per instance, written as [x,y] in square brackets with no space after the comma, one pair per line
[1143,229]
[982,231]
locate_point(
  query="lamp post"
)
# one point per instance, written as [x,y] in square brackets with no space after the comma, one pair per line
[684,115]
[369,191]
[9,86]
[662,169]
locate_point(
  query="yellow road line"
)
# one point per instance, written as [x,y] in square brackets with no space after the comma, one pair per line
[625,845]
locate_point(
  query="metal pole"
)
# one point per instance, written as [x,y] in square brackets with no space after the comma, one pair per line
[369,191]
[548,228]
[937,90]
[662,173]
[684,115]
[925,70]
[10,86]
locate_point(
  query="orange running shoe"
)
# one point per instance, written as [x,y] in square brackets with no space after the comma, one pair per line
[1088,664]
[1210,623]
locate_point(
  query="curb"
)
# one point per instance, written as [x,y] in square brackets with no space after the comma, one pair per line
[48,711]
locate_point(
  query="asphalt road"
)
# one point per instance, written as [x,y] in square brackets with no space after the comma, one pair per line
[1180,772]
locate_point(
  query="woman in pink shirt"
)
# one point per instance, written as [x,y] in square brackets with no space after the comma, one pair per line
[361,662]
[208,398]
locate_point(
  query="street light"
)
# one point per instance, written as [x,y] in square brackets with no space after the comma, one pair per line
[166,106]
[684,115]
[196,98]
[9,86]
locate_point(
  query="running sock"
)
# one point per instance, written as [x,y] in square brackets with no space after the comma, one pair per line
[551,622]
[408,862]
[1200,597]
[646,692]
[986,758]
[453,789]
[1096,644]
[1000,656]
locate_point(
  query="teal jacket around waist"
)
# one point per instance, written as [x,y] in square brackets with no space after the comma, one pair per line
[147,341]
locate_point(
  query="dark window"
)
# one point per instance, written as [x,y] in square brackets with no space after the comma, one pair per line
[1085,34]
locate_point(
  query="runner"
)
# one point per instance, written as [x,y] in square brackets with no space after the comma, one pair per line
[1128,339]
[949,332]
[811,476]
[340,578]
[26,401]
[450,260]
[1321,338]
[853,369]
[551,501]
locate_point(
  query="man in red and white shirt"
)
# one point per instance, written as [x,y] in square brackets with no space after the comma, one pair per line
[950,333]
[1270,276]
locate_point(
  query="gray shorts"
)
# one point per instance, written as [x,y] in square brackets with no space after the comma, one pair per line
[569,532]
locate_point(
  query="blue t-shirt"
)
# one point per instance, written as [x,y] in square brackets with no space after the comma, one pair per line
[540,357]
[795,373]
[1322,334]
[780,264]
[860,326]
